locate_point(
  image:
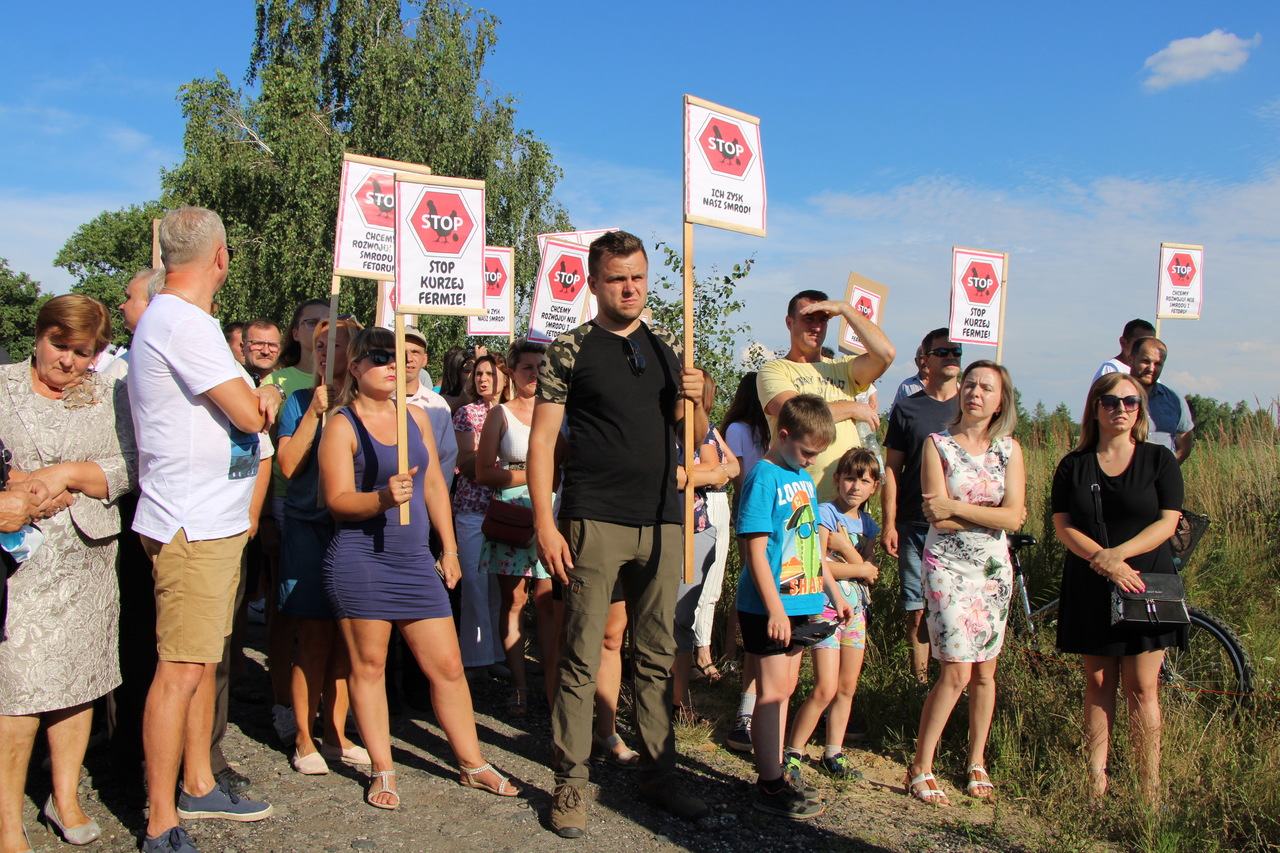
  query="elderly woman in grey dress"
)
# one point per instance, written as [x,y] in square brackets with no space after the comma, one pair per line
[69,428]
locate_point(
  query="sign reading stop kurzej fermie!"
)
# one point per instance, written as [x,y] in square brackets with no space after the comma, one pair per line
[723,168]
[978,281]
[499,294]
[439,245]
[868,298]
[365,243]
[560,292]
[1181,277]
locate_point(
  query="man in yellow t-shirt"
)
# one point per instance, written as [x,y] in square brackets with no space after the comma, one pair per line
[804,370]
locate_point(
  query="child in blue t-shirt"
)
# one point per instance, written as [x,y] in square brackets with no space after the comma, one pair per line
[848,534]
[782,586]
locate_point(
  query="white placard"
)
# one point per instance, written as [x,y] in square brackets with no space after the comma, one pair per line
[977,279]
[560,292]
[723,168]
[364,244]
[499,294]
[1181,282]
[583,237]
[439,245]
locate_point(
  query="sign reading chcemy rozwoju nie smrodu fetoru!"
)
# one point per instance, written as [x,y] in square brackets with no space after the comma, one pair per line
[440,237]
[560,293]
[868,297]
[977,295]
[499,295]
[1181,288]
[723,168]
[365,241]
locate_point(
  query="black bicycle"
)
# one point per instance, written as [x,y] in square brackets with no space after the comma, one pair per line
[1214,670]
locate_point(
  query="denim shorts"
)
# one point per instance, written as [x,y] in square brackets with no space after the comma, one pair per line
[910,553]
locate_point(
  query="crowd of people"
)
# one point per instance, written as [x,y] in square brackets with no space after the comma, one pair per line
[150,496]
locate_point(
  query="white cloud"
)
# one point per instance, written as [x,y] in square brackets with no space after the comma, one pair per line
[1190,59]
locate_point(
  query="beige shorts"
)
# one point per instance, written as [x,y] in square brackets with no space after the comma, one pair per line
[195,595]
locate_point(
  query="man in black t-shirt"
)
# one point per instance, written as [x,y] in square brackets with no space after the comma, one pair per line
[911,422]
[619,386]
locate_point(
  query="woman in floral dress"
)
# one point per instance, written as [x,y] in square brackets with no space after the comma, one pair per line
[973,482]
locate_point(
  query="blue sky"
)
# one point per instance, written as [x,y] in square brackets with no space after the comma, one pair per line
[1076,137]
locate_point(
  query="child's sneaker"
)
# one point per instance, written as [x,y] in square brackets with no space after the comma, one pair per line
[786,803]
[740,737]
[791,764]
[839,767]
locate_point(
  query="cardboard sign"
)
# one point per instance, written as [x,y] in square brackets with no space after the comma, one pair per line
[439,245]
[723,168]
[977,295]
[499,294]
[583,237]
[1181,282]
[364,246]
[560,292]
[868,297]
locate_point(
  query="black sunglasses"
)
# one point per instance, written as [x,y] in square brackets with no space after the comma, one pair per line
[379,357]
[634,357]
[1110,402]
[943,352]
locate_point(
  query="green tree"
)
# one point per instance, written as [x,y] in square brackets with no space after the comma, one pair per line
[106,253]
[382,78]
[20,301]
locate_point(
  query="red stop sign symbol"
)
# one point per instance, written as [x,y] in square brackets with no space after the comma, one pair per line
[376,199]
[980,282]
[442,222]
[1182,270]
[495,277]
[863,306]
[566,278]
[724,143]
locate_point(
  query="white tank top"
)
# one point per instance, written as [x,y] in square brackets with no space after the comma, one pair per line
[514,447]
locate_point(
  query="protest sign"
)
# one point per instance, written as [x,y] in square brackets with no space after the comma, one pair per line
[1180,287]
[978,284]
[868,297]
[723,168]
[439,245]
[364,245]
[560,291]
[499,295]
[583,237]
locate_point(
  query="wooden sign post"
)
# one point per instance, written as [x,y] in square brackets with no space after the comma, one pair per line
[724,188]
[979,282]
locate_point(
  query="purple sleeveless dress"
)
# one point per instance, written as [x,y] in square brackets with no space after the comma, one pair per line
[378,568]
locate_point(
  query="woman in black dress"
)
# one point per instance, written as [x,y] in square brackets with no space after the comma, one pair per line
[1141,491]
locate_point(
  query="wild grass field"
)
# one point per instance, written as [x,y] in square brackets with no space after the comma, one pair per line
[1220,766]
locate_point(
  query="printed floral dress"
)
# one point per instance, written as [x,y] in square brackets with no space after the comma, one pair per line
[968,578]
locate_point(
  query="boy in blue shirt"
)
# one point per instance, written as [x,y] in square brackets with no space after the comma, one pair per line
[782,586]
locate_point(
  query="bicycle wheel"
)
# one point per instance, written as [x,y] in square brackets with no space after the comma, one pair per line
[1214,671]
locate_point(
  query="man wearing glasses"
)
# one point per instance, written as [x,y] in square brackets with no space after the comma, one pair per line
[804,370]
[619,387]
[911,422]
[261,347]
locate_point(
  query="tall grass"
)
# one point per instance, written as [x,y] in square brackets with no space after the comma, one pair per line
[1220,770]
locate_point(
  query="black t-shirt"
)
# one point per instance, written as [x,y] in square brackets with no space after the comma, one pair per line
[621,457]
[911,423]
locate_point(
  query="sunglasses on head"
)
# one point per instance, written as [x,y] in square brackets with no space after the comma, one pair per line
[943,352]
[1110,402]
[379,357]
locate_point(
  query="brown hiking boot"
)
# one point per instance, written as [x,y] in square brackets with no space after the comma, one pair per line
[568,812]
[668,792]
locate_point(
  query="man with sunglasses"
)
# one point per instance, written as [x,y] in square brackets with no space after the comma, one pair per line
[804,370]
[911,422]
[619,387]
[1171,423]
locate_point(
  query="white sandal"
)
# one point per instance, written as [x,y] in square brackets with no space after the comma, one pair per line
[979,784]
[925,789]
[383,788]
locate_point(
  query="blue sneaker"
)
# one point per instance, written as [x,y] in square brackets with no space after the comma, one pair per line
[839,767]
[220,802]
[175,840]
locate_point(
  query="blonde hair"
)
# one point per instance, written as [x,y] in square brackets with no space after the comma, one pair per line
[806,417]
[322,330]
[1089,420]
[1004,421]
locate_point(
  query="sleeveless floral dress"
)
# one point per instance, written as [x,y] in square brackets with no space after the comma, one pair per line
[967,575]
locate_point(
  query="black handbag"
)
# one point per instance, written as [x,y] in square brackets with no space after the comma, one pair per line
[1162,602]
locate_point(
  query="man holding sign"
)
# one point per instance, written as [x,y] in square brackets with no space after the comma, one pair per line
[619,386]
[804,370]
